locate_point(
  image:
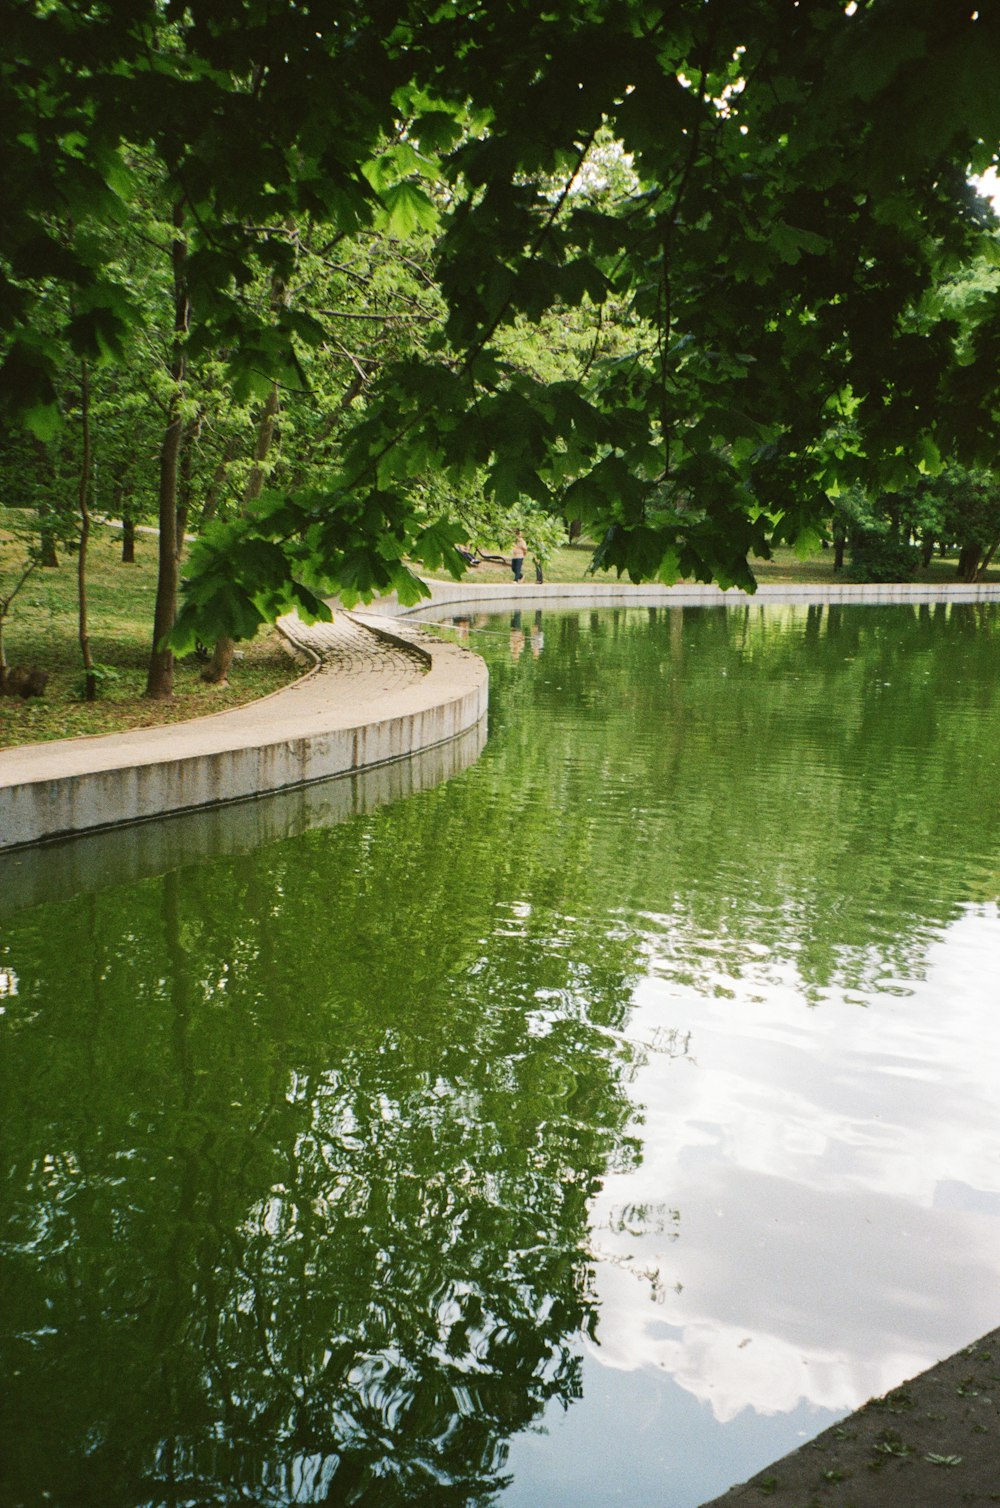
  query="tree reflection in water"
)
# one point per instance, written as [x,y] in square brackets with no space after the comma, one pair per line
[300,1144]
[289,1222]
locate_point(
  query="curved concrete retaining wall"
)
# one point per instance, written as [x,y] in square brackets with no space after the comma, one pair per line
[296,737]
[89,862]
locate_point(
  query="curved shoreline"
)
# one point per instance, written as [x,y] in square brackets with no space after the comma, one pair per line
[501,598]
[373,696]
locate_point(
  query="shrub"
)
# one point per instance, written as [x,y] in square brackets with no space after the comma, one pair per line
[882,557]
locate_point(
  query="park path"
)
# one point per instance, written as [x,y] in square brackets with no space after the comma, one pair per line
[348,668]
[376,692]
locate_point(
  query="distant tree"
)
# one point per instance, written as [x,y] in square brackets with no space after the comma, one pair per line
[965,506]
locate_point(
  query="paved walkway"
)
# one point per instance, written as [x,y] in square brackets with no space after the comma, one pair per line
[377,692]
[347,668]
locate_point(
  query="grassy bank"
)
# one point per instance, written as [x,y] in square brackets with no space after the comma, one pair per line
[572,563]
[42,631]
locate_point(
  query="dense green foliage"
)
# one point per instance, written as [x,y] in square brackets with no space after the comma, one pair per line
[639,265]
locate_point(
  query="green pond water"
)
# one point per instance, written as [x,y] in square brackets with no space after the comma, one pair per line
[589,1127]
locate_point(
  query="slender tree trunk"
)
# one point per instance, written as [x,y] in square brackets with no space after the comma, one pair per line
[987,560]
[839,544]
[968,562]
[124,512]
[210,507]
[185,486]
[46,534]
[47,547]
[90,679]
[5,603]
[160,679]
[216,672]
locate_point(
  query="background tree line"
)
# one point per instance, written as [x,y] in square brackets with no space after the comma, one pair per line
[339,299]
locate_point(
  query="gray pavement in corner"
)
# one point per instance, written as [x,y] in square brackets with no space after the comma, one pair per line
[375,693]
[932,1442]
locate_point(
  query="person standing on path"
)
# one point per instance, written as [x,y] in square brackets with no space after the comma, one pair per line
[518,551]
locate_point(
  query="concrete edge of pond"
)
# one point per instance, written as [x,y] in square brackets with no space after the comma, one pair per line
[932,1442]
[497,597]
[372,696]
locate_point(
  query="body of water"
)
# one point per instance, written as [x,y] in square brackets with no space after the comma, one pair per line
[591,1127]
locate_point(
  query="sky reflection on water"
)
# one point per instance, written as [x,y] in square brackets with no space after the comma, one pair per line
[836,1163]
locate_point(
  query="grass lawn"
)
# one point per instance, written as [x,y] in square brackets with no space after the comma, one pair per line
[42,631]
[571,563]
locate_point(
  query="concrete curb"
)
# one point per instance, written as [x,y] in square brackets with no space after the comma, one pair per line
[87,863]
[492,596]
[407,693]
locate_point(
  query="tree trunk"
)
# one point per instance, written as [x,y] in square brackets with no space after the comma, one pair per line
[184,489]
[5,603]
[987,560]
[90,679]
[128,537]
[47,556]
[839,545]
[47,547]
[216,672]
[968,562]
[160,679]
[211,504]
